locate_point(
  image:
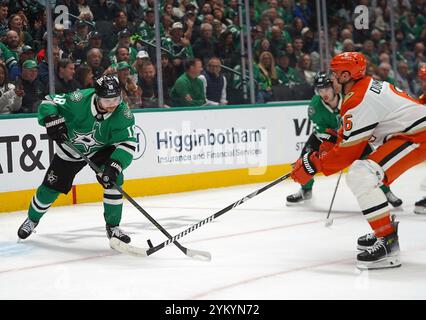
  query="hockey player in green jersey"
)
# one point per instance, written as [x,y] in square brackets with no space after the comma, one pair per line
[323,111]
[99,124]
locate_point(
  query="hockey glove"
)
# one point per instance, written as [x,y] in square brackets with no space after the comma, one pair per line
[56,128]
[306,167]
[328,141]
[111,171]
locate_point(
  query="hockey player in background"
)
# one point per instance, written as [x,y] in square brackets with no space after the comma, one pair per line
[420,206]
[100,125]
[324,112]
[376,112]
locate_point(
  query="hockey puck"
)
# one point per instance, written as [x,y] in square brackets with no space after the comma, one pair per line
[150,243]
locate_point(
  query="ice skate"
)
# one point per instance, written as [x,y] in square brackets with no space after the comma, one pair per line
[420,206]
[26,228]
[299,197]
[368,240]
[383,254]
[116,232]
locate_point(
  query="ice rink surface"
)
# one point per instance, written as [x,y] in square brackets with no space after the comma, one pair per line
[260,250]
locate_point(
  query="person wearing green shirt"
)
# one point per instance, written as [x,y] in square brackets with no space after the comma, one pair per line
[324,112]
[188,90]
[287,75]
[98,124]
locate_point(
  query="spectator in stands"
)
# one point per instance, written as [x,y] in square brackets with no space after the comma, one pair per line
[120,23]
[296,28]
[369,51]
[305,70]
[135,12]
[146,29]
[123,71]
[64,79]
[123,42]
[298,47]
[383,72]
[261,46]
[289,51]
[101,10]
[348,45]
[169,76]
[43,68]
[188,89]
[179,47]
[401,78]
[147,81]
[84,76]
[303,10]
[278,43]
[81,36]
[214,83]
[16,24]
[95,41]
[12,43]
[226,49]
[287,75]
[10,96]
[131,92]
[4,9]
[32,86]
[267,77]
[68,45]
[85,13]
[203,47]
[94,61]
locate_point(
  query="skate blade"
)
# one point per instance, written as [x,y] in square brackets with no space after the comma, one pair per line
[385,263]
[419,210]
[296,204]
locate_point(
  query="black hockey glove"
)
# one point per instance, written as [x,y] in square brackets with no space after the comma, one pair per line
[56,128]
[108,178]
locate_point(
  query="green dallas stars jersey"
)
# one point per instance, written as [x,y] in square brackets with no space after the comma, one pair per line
[322,116]
[90,131]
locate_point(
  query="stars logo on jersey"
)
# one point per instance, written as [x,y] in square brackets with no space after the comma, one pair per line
[76,96]
[51,177]
[87,140]
[127,113]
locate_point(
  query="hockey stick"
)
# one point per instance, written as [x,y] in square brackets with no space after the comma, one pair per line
[328,220]
[214,216]
[119,245]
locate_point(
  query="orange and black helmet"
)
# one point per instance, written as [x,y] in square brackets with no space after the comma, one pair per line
[353,62]
[422,72]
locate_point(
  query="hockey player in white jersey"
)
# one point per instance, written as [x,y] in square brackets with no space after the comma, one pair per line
[420,206]
[378,113]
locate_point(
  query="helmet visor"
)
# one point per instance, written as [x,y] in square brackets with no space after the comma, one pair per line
[110,102]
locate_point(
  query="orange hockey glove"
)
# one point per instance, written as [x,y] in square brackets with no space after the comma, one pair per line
[306,167]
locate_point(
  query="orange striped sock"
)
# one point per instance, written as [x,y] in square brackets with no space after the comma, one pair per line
[381,225]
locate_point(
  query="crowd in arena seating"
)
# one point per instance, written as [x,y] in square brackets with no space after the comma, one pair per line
[200,55]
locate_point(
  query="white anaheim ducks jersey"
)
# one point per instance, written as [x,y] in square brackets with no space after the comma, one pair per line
[381,111]
[372,112]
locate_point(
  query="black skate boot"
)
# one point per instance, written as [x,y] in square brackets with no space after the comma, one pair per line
[393,199]
[368,240]
[383,254]
[26,228]
[420,206]
[116,232]
[299,197]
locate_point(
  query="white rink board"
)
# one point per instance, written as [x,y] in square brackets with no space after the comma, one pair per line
[170,143]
